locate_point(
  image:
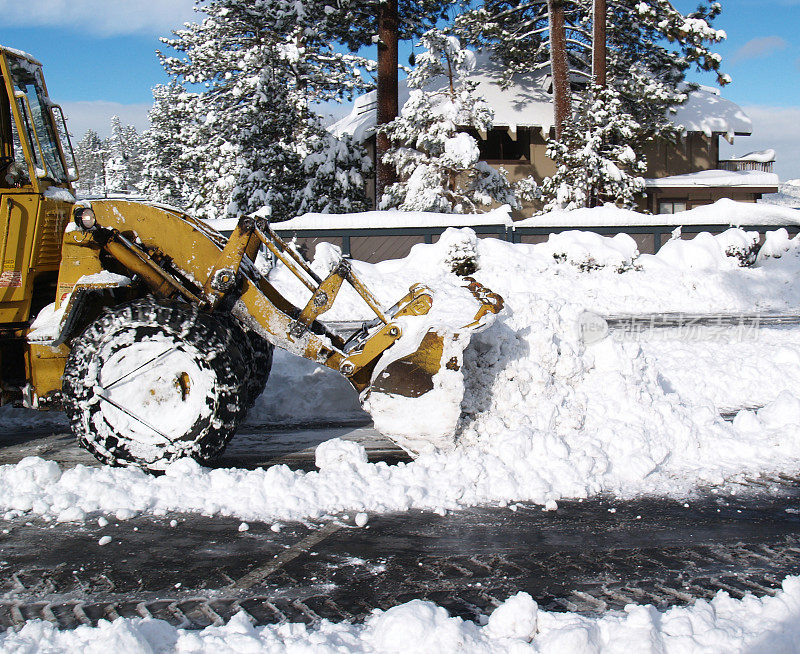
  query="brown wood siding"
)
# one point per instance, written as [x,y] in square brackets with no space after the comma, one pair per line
[382,248]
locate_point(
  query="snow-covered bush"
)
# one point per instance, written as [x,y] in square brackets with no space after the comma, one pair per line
[777,243]
[438,165]
[595,161]
[740,245]
[335,168]
[733,248]
[590,251]
[462,251]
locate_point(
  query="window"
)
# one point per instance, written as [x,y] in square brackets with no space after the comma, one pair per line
[13,167]
[671,206]
[498,145]
[34,108]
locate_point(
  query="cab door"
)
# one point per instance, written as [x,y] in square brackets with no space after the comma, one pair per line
[18,215]
[19,209]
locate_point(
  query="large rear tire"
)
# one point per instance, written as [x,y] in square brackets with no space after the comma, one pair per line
[257,353]
[151,382]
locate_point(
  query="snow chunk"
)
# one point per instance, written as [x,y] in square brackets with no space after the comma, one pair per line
[337,453]
[515,618]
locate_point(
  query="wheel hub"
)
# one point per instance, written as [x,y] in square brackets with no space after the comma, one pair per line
[154,390]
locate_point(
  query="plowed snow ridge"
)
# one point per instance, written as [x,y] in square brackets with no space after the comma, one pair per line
[546,416]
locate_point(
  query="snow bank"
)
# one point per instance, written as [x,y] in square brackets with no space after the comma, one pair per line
[732,248]
[417,627]
[545,415]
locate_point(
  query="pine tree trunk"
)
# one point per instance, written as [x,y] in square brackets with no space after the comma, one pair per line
[558,65]
[387,89]
[599,43]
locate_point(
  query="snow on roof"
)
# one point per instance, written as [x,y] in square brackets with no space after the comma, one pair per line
[394,218]
[708,112]
[760,156]
[722,212]
[714,178]
[527,102]
[19,53]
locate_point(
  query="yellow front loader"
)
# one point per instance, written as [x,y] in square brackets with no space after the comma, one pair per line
[152,331]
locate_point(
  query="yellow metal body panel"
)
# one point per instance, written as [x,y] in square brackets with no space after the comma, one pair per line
[192,246]
[46,366]
[80,256]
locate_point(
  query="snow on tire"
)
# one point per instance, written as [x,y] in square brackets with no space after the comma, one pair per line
[153,381]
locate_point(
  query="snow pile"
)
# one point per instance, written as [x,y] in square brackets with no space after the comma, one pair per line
[732,248]
[716,178]
[759,156]
[545,414]
[777,243]
[417,627]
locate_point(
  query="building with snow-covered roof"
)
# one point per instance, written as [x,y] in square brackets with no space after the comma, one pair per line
[679,175]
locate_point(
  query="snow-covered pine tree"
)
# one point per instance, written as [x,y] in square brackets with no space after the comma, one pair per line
[262,64]
[438,165]
[268,166]
[651,45]
[124,165]
[90,156]
[594,159]
[336,169]
[167,175]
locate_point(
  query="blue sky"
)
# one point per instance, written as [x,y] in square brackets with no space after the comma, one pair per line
[99,58]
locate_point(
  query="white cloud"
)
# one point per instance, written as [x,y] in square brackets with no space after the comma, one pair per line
[773,127]
[760,47]
[96,115]
[100,17]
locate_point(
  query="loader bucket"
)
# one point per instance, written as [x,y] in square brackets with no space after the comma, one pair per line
[418,384]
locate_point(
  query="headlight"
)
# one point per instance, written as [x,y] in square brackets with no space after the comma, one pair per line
[85,218]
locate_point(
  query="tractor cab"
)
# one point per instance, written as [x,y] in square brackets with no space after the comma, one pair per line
[32,128]
[37,167]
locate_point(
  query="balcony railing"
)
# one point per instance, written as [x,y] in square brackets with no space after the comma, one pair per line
[738,166]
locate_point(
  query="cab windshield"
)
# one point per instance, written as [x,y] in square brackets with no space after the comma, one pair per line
[34,107]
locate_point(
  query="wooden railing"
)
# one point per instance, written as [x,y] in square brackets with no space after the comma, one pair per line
[738,166]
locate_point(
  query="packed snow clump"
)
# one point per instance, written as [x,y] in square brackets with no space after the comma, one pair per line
[417,627]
